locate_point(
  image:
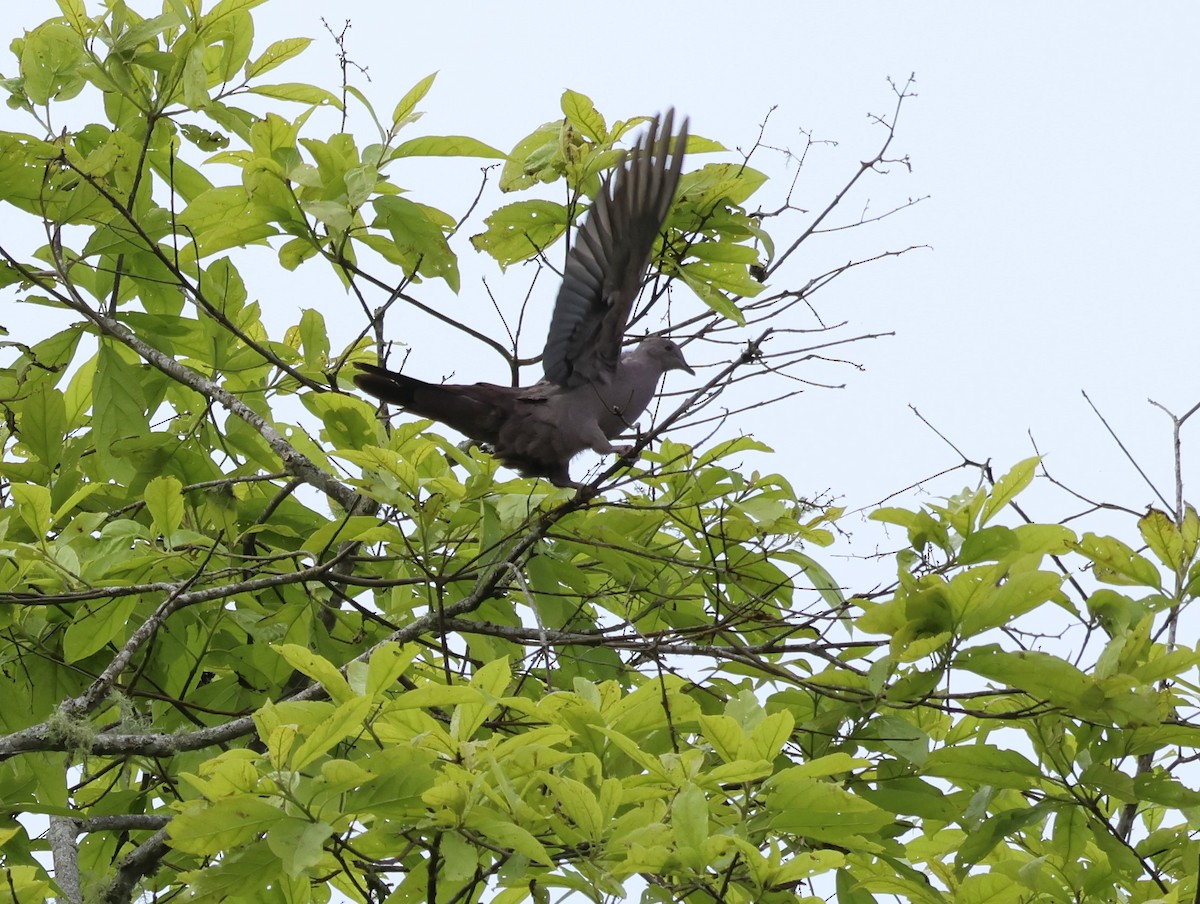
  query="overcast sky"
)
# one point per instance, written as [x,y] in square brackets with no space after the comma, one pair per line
[1056,144]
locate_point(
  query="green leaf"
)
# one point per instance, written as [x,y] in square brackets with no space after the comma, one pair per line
[719,183]
[1018,594]
[445,146]
[989,544]
[183,178]
[349,422]
[769,736]
[1041,675]
[509,835]
[418,236]
[1190,532]
[204,139]
[95,625]
[521,230]
[33,505]
[42,423]
[227,217]
[831,764]
[386,665]
[1160,788]
[228,8]
[319,669]
[1116,613]
[915,797]
[582,114]
[891,515]
[725,735]
[984,839]
[299,844]
[973,766]
[68,505]
[1109,781]
[51,61]
[849,891]
[345,721]
[278,53]
[821,810]
[335,216]
[711,281]
[227,47]
[164,501]
[314,338]
[76,15]
[141,35]
[538,157]
[724,252]
[118,405]
[906,739]
[223,825]
[492,679]
[403,114]
[1164,539]
[195,78]
[689,820]
[298,92]
[1008,487]
[580,805]
[292,254]
[1115,563]
[26,883]
[822,581]
[435,695]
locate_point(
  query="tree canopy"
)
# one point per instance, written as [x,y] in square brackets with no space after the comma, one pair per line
[260,643]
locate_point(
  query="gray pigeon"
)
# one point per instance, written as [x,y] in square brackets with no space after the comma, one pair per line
[591,393]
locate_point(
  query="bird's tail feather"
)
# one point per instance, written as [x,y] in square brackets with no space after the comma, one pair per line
[446,403]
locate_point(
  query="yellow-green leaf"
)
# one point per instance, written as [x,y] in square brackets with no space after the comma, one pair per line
[95,624]
[221,826]
[164,501]
[276,54]
[33,505]
[446,146]
[345,721]
[299,92]
[582,114]
[1007,487]
[1163,537]
[318,668]
[403,113]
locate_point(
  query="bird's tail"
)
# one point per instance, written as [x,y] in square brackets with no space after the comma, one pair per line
[388,385]
[453,405]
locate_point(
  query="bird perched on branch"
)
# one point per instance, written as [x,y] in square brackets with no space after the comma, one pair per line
[591,393]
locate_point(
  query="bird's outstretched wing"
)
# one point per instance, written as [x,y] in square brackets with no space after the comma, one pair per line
[607,263]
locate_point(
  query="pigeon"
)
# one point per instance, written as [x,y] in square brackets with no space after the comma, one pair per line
[591,392]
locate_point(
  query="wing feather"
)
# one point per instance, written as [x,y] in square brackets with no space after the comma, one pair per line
[607,264]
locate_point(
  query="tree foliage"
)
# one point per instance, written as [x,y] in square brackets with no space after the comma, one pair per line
[256,644]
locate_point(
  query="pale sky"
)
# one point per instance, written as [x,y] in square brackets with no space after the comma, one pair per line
[1054,142]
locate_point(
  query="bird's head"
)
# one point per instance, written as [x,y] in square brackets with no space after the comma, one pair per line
[667,354]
